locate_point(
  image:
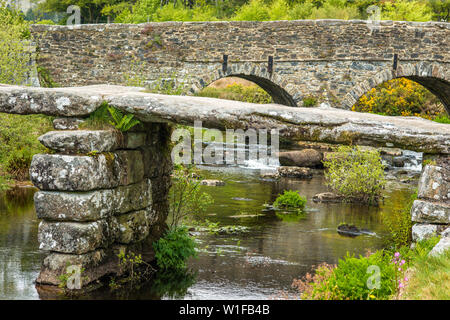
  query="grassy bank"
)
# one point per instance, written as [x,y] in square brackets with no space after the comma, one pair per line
[429,279]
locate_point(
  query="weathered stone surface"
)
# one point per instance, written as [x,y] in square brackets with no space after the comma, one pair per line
[434,183]
[422,231]
[443,244]
[135,226]
[67,123]
[93,205]
[301,158]
[327,197]
[84,173]
[295,172]
[56,264]
[212,183]
[314,124]
[425,211]
[85,141]
[76,237]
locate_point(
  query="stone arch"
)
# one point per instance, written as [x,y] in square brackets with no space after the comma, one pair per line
[273,83]
[433,76]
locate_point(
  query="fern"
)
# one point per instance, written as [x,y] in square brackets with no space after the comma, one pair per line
[122,122]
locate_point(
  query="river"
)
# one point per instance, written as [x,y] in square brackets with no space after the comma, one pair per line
[257,264]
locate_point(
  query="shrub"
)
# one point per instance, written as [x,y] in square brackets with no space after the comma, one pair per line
[349,279]
[185,196]
[399,223]
[290,200]
[310,101]
[355,174]
[174,248]
[442,119]
[400,97]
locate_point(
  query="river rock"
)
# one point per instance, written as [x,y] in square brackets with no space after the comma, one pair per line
[84,173]
[85,141]
[67,123]
[425,211]
[327,197]
[295,172]
[212,183]
[301,158]
[443,244]
[92,205]
[76,237]
[434,183]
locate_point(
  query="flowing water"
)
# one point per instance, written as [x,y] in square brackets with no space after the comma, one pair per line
[256,264]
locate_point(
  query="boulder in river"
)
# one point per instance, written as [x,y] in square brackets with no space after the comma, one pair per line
[327,197]
[301,158]
[345,229]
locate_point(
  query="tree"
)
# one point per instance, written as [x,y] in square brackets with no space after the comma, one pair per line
[441,9]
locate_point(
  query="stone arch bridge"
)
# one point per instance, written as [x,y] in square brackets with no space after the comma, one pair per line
[333,60]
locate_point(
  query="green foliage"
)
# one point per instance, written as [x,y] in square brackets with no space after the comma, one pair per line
[106,117]
[310,101]
[134,267]
[290,200]
[141,11]
[174,248]
[45,79]
[186,197]
[399,224]
[120,121]
[348,280]
[238,92]
[18,142]
[171,85]
[442,119]
[15,55]
[355,174]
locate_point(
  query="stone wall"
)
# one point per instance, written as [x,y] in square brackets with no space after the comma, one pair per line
[101,193]
[431,211]
[339,60]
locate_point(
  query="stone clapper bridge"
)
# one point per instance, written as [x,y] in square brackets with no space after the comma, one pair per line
[92,206]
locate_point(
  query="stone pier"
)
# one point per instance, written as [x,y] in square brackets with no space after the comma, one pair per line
[431,211]
[101,193]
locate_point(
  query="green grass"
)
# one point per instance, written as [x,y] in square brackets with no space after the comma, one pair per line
[238,92]
[429,279]
[442,119]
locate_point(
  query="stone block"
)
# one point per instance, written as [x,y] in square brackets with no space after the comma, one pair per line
[67,123]
[434,183]
[85,141]
[422,231]
[76,237]
[92,205]
[135,226]
[84,173]
[424,211]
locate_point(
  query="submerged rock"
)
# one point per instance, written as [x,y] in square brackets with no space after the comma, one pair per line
[352,231]
[212,183]
[327,197]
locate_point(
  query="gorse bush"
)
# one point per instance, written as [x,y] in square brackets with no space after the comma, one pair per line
[400,97]
[355,174]
[174,248]
[290,200]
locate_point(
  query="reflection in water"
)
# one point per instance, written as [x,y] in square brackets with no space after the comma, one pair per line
[19,256]
[252,265]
